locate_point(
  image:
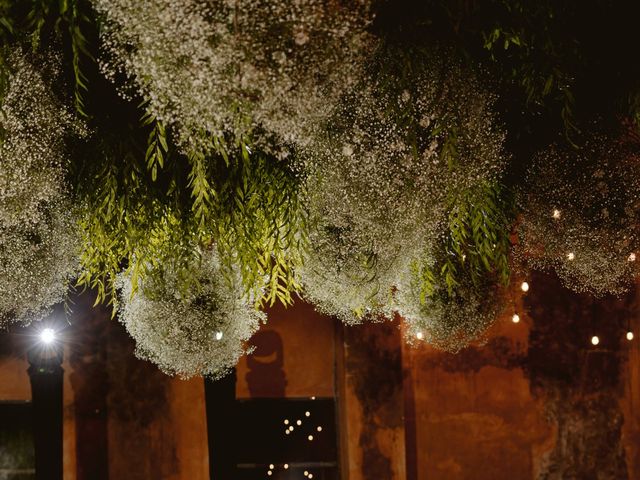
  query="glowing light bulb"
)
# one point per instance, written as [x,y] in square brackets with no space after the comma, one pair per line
[556,213]
[524,287]
[218,335]
[319,429]
[419,335]
[271,466]
[286,422]
[310,437]
[313,398]
[515,318]
[571,256]
[306,474]
[269,473]
[286,466]
[291,428]
[632,257]
[287,432]
[595,340]
[299,422]
[307,414]
[629,335]
[311,475]
[47,336]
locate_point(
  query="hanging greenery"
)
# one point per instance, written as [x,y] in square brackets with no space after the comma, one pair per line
[415,133]
[194,161]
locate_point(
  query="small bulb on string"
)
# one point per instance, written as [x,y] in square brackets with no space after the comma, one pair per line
[319,429]
[419,335]
[629,335]
[272,466]
[571,256]
[269,472]
[311,475]
[298,422]
[595,340]
[524,287]
[218,336]
[306,473]
[286,466]
[286,422]
[307,414]
[515,318]
[310,437]
[632,257]
[556,213]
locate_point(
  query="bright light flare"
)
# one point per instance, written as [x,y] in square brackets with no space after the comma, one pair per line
[48,336]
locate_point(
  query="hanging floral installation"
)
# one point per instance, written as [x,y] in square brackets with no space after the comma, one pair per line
[38,238]
[581,212]
[202,332]
[193,162]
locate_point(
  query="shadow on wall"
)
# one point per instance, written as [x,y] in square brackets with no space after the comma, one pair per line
[266,376]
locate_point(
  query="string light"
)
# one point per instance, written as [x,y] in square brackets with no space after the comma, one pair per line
[307,414]
[320,428]
[595,340]
[556,213]
[515,318]
[310,437]
[269,473]
[524,287]
[629,335]
[306,473]
[571,256]
[271,466]
[218,335]
[299,422]
[286,422]
[632,257]
[313,398]
[286,466]
[419,335]
[311,475]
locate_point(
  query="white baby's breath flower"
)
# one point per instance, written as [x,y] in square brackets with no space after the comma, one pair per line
[200,333]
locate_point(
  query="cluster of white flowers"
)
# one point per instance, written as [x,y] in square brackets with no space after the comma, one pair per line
[381,173]
[38,234]
[261,66]
[200,333]
[448,321]
[581,211]
[33,126]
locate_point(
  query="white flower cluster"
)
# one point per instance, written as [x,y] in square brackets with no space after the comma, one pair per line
[263,67]
[382,171]
[581,211]
[38,234]
[202,333]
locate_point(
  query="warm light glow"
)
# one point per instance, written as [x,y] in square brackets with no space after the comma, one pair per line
[524,287]
[306,474]
[271,466]
[632,257]
[310,437]
[556,213]
[595,340]
[291,428]
[629,335]
[269,472]
[307,414]
[419,335]
[286,422]
[311,475]
[47,336]
[319,429]
[515,318]
[287,432]
[286,466]
[218,335]
[571,256]
[299,422]
[313,398]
